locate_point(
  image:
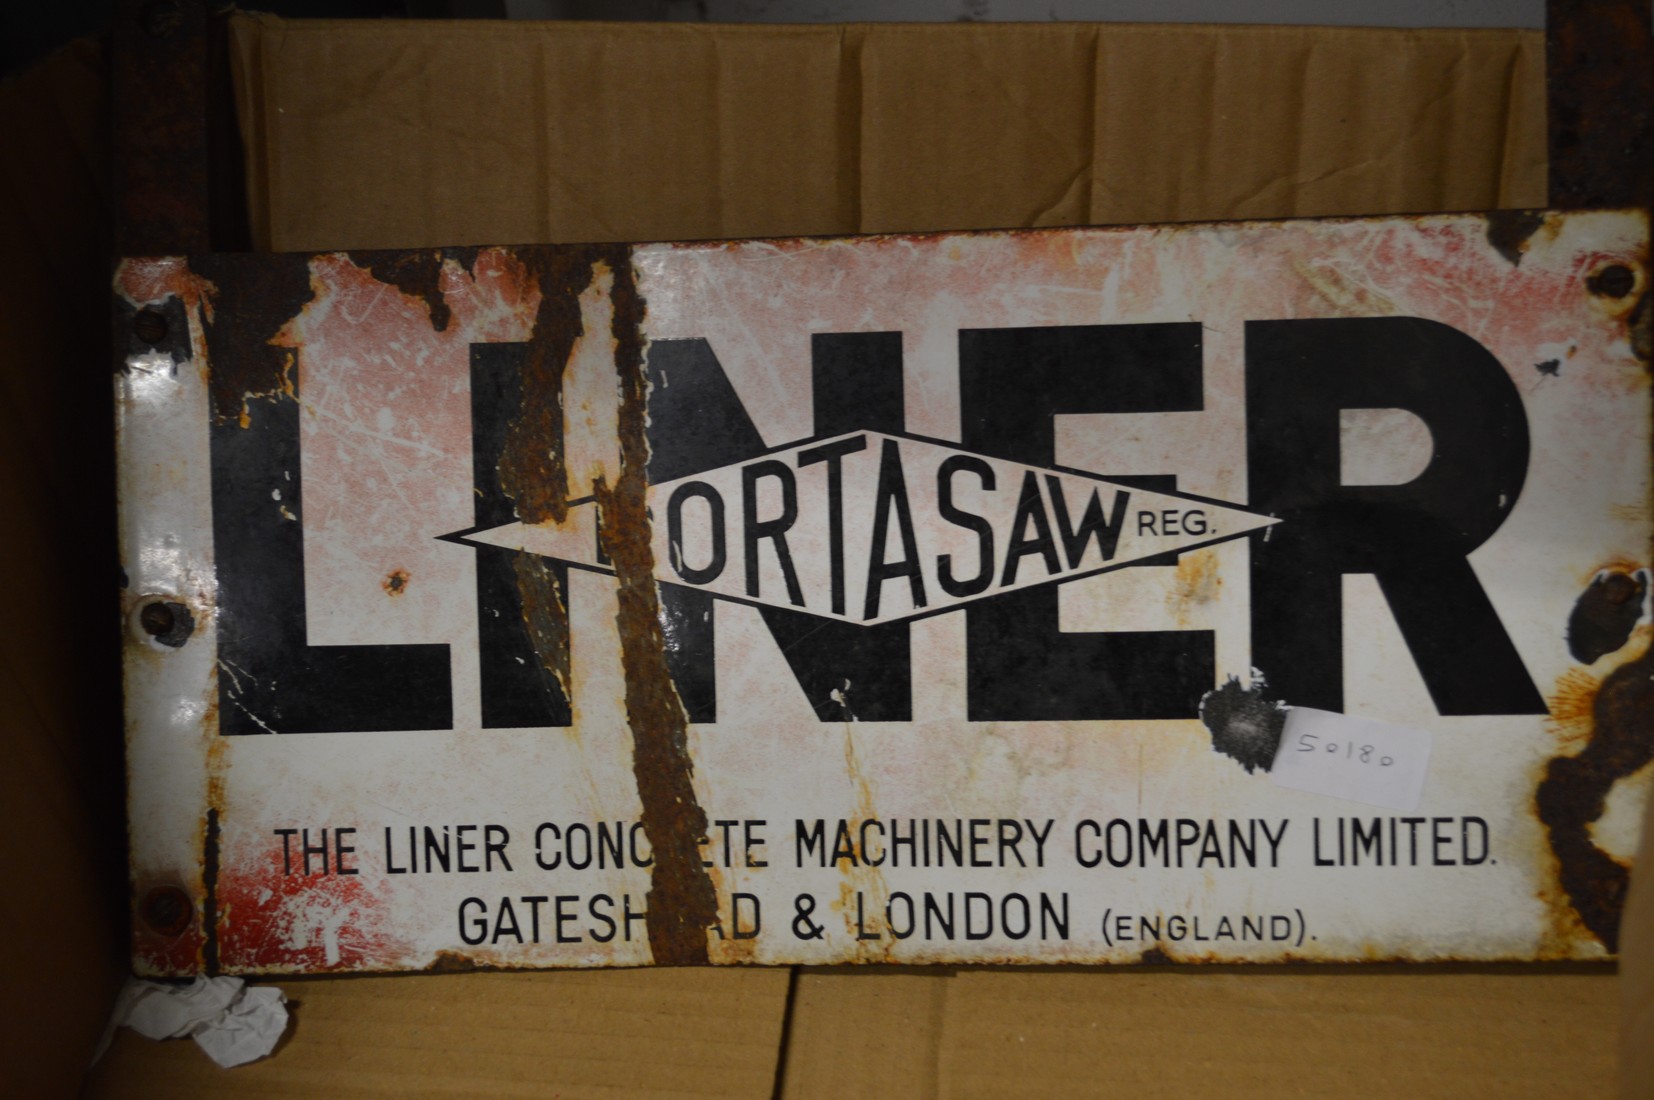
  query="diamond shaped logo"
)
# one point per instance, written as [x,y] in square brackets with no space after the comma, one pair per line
[872,527]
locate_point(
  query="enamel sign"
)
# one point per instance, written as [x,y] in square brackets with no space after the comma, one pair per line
[1247,592]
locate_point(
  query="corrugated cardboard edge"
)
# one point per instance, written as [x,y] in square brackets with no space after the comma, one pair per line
[1166,1031]
[492,132]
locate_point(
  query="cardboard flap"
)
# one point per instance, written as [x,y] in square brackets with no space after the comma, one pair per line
[1255,1033]
[392,134]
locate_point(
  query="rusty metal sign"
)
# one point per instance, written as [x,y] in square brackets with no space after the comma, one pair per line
[1247,592]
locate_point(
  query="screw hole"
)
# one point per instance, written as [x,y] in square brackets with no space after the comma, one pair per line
[169,623]
[167,910]
[1613,281]
[150,326]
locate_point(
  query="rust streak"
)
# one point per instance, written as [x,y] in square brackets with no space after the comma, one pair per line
[451,962]
[217,765]
[533,468]
[544,617]
[533,472]
[1639,322]
[209,904]
[1571,704]
[868,879]
[254,302]
[417,274]
[682,899]
[1572,795]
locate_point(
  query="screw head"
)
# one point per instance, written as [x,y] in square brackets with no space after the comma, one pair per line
[150,326]
[168,622]
[167,910]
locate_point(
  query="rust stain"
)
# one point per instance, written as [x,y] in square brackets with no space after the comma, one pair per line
[544,616]
[533,467]
[1037,233]
[1636,513]
[451,962]
[283,388]
[861,879]
[217,764]
[735,952]
[868,880]
[1619,292]
[533,471]
[1616,564]
[209,883]
[1563,930]
[254,302]
[724,948]
[682,900]
[395,582]
[418,274]
[145,282]
[1618,740]
[1344,292]
[1640,323]
[1572,705]
[175,950]
[1196,582]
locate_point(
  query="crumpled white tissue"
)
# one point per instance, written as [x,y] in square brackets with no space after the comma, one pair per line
[232,1023]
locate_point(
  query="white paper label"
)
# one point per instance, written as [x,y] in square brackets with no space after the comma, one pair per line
[1355,758]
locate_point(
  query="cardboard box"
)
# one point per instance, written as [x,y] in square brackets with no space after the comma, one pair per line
[379,134]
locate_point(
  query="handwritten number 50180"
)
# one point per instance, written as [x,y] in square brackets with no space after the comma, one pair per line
[1363,754]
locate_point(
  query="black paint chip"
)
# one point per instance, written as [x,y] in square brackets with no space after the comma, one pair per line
[1605,614]
[1508,231]
[1244,723]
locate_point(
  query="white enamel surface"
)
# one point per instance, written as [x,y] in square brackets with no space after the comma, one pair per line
[768,758]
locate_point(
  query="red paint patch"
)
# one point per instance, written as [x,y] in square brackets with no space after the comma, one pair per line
[269,920]
[157,955]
